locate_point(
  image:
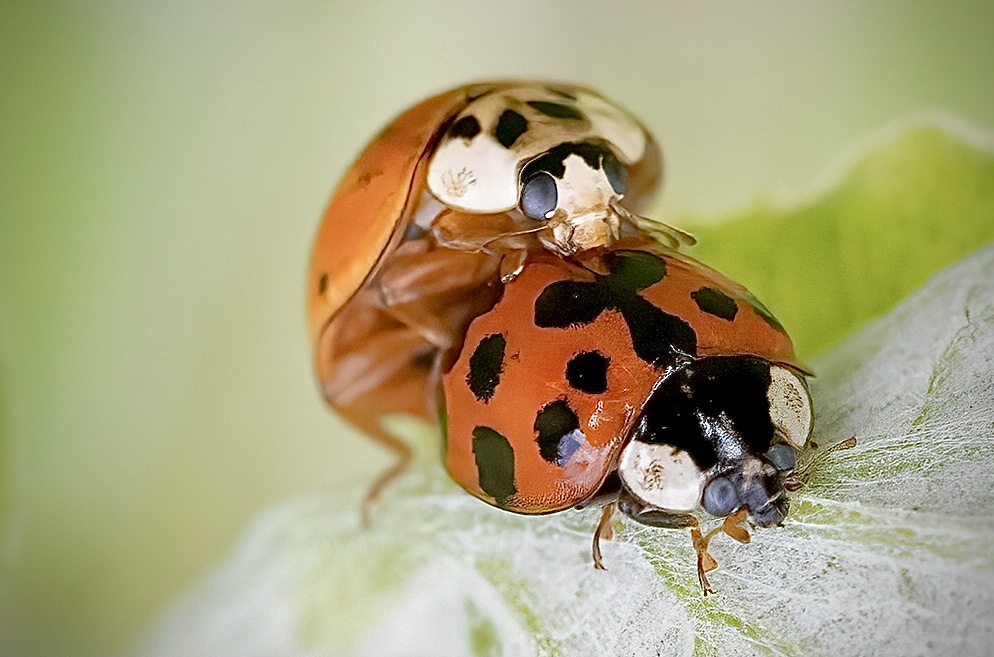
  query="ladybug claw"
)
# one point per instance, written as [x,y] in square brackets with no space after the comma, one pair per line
[702,579]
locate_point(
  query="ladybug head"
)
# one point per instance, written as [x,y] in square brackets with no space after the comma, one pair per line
[720,432]
[576,188]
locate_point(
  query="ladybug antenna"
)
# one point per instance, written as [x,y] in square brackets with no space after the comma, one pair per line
[674,237]
[800,476]
[516,233]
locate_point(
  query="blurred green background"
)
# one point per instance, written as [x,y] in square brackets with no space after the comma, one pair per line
[163,167]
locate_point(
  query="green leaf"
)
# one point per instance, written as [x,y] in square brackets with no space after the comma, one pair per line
[909,207]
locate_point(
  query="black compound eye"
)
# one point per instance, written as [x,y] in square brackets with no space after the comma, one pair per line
[539,196]
[721,497]
[616,173]
[762,509]
[782,456]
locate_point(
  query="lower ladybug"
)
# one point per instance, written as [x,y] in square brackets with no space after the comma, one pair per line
[646,383]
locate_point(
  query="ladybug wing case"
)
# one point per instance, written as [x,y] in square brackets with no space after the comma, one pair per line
[536,414]
[372,200]
[542,398]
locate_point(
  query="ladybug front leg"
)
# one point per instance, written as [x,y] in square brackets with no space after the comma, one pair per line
[705,562]
[512,238]
[732,525]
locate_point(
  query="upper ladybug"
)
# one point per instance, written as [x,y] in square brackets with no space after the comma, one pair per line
[658,387]
[482,162]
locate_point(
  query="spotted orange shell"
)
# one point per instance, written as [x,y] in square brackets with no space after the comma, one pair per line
[520,384]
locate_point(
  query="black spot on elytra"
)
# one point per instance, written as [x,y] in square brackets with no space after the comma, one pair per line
[556,110]
[766,315]
[554,160]
[659,338]
[587,372]
[494,464]
[715,302]
[510,126]
[485,367]
[467,127]
[554,423]
[323,284]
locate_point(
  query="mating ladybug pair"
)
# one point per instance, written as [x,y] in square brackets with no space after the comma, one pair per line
[483,263]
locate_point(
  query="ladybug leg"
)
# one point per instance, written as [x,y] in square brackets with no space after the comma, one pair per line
[603,531]
[511,265]
[437,291]
[492,233]
[369,365]
[705,562]
[364,413]
[731,525]
[669,235]
[402,453]
[593,261]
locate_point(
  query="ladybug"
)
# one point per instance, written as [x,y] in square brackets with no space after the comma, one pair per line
[445,205]
[658,388]
[556,159]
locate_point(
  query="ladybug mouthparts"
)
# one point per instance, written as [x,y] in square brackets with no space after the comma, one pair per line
[720,432]
[574,233]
